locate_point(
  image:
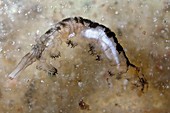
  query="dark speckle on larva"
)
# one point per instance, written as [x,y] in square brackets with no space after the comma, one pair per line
[76,19]
[66,20]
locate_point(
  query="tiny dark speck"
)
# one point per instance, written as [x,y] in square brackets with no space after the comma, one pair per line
[83,105]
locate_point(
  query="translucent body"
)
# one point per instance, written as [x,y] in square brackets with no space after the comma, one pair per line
[87,40]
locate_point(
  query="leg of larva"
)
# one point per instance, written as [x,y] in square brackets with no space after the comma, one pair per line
[50,69]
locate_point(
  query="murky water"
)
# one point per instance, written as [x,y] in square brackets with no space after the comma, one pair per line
[82,83]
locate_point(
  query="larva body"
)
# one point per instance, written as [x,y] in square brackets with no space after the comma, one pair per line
[76,41]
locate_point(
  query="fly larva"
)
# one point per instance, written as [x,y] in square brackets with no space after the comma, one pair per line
[81,32]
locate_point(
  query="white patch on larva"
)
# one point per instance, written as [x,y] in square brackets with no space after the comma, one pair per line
[107,44]
[71,35]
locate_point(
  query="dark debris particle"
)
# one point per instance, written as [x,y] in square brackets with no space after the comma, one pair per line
[83,105]
[92,50]
[98,58]
[30,90]
[118,76]
[143,82]
[144,32]
[71,43]
[108,82]
[55,55]
[110,73]
[52,72]
[117,105]
[116,2]
[29,94]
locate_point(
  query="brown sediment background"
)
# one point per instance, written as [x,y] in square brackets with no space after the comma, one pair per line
[141,27]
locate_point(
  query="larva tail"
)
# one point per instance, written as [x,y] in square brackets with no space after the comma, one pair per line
[27,60]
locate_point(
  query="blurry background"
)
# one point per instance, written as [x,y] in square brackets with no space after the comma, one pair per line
[142,27]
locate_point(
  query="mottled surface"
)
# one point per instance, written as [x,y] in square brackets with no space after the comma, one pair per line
[142,28]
